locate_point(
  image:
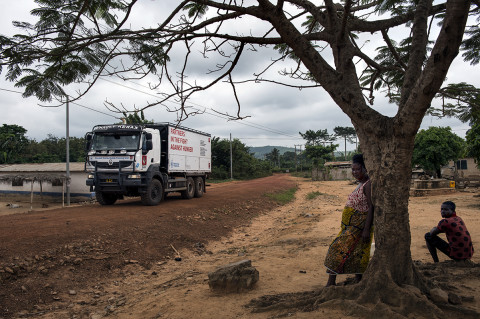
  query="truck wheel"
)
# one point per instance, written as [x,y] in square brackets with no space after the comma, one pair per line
[154,193]
[190,191]
[105,198]
[199,187]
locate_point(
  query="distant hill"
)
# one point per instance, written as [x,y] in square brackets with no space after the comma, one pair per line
[260,151]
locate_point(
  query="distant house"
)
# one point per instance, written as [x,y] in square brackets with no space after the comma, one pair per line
[47,181]
[464,171]
[333,171]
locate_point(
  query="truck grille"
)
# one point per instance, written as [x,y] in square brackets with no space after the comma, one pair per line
[114,165]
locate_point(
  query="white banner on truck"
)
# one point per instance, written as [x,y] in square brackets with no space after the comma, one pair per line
[188,151]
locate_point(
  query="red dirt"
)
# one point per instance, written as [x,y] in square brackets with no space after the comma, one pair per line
[42,252]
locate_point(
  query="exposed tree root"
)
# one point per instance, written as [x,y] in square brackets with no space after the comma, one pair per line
[379,296]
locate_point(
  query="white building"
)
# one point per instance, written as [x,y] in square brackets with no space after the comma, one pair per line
[46,181]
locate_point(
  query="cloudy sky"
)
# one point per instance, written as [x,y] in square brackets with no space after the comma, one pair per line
[275,113]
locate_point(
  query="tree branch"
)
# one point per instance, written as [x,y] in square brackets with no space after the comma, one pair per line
[418,49]
[441,57]
[392,49]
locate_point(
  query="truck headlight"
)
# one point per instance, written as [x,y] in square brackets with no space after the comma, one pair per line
[134,176]
[91,176]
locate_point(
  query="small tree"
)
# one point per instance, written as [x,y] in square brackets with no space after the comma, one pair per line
[473,143]
[288,159]
[134,118]
[274,157]
[435,147]
[348,134]
[319,153]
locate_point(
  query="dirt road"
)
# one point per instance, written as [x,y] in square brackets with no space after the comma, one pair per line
[117,262]
[45,252]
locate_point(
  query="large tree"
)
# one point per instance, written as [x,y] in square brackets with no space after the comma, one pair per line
[12,143]
[435,147]
[82,40]
[473,143]
[314,138]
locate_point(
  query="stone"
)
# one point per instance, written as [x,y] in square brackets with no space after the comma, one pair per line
[9,270]
[236,277]
[454,299]
[437,295]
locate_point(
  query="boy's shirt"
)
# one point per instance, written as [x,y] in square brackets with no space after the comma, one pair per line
[458,237]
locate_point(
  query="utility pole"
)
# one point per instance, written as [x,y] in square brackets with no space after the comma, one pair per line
[301,163]
[67,142]
[300,146]
[231,158]
[296,158]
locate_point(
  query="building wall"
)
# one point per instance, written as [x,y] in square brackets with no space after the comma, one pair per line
[332,174]
[465,168]
[78,190]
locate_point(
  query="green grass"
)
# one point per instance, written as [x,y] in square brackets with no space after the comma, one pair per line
[284,197]
[218,181]
[304,174]
[313,195]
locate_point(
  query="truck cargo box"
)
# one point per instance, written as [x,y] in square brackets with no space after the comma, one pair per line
[188,150]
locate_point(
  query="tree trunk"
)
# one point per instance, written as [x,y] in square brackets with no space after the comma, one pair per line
[390,171]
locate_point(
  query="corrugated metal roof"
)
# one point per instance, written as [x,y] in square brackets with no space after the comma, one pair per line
[42,167]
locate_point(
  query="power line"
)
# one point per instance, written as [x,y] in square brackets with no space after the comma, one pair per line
[244,122]
[83,106]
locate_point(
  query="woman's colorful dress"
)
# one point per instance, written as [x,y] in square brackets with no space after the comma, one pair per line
[348,254]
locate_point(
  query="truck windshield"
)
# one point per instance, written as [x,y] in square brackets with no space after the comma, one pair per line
[115,141]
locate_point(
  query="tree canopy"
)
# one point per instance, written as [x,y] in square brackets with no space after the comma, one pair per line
[325,45]
[274,157]
[244,164]
[473,143]
[319,137]
[17,148]
[12,143]
[435,147]
[134,118]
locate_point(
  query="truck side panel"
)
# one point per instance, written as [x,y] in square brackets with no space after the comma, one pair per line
[188,151]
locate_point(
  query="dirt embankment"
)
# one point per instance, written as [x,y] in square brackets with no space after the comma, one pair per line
[93,261]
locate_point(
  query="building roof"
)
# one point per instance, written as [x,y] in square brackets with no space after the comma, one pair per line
[41,168]
[337,164]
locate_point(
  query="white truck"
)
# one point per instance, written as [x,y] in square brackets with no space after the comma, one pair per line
[147,160]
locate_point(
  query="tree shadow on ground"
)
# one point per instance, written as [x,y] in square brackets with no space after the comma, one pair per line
[381,298]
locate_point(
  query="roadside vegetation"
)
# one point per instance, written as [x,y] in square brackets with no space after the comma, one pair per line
[284,197]
[435,143]
[313,195]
